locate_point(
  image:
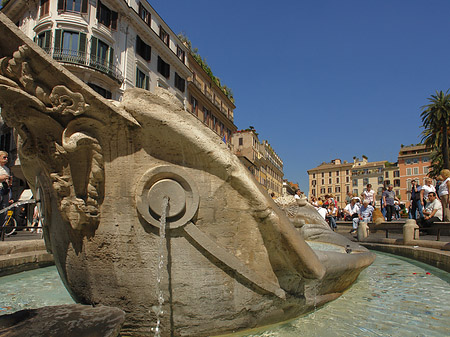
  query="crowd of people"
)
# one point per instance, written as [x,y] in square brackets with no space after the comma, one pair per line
[357,208]
[429,203]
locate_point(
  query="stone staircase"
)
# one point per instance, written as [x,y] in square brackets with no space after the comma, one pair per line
[17,256]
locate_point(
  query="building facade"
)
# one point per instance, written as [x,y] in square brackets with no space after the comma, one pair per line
[331,178]
[209,103]
[365,172]
[111,45]
[260,159]
[413,163]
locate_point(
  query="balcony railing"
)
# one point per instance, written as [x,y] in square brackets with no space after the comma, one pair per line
[87,60]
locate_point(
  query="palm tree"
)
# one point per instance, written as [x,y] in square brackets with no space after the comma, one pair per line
[435,118]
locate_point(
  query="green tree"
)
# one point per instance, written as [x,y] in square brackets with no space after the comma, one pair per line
[435,119]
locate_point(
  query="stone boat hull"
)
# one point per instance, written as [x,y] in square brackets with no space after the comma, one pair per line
[231,259]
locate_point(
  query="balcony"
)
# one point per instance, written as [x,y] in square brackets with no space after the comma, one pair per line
[87,60]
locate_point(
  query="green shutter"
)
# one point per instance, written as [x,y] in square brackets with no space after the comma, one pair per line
[82,43]
[84,7]
[57,44]
[94,43]
[61,5]
[47,37]
[114,17]
[111,56]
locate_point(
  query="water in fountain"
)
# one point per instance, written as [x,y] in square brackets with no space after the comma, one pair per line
[161,263]
[394,297]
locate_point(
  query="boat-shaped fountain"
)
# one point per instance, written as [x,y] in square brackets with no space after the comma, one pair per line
[147,210]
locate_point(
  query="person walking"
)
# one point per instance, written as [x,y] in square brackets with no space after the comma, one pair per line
[389,202]
[416,204]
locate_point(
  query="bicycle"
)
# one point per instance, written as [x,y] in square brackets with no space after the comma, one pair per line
[9,226]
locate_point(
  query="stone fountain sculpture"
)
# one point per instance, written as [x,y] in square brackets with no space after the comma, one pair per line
[231,259]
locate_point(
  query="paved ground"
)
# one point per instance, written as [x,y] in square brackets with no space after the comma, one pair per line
[23,235]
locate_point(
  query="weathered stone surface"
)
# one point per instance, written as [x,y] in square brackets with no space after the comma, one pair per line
[232,258]
[73,320]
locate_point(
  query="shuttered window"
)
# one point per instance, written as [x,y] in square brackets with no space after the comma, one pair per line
[106,17]
[70,42]
[43,39]
[163,68]
[74,6]
[143,49]
[44,8]
[179,82]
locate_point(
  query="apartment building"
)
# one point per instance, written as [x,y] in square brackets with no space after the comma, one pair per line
[111,45]
[365,172]
[414,164]
[209,103]
[260,159]
[331,178]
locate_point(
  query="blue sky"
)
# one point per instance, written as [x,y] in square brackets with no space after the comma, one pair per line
[323,79]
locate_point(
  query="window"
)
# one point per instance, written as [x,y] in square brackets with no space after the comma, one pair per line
[337,173]
[425,159]
[43,39]
[314,176]
[144,14]
[142,80]
[44,8]
[206,114]
[179,82]
[337,180]
[323,174]
[337,189]
[241,141]
[322,190]
[329,174]
[164,36]
[387,183]
[408,185]
[330,189]
[143,49]
[338,198]
[365,181]
[99,90]
[386,174]
[101,54]
[408,161]
[355,192]
[313,191]
[347,188]
[396,174]
[323,181]
[330,181]
[355,182]
[313,182]
[416,170]
[181,54]
[347,172]
[347,179]
[194,104]
[415,160]
[75,6]
[69,44]
[106,17]
[408,171]
[380,180]
[396,182]
[163,68]
[426,169]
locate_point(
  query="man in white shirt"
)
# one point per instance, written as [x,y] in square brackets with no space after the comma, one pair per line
[433,210]
[352,211]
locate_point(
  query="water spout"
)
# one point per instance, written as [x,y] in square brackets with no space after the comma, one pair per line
[161,263]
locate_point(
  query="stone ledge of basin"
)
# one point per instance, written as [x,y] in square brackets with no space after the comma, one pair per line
[11,247]
[18,262]
[421,243]
[431,256]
